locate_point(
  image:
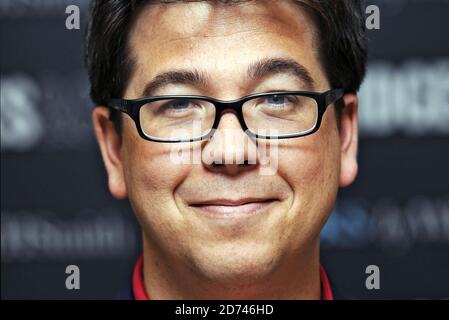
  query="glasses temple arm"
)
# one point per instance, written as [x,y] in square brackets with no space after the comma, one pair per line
[333,95]
[119,104]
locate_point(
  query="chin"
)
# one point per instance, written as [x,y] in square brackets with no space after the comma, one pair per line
[235,266]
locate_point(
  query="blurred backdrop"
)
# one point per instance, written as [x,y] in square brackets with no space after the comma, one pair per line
[56,209]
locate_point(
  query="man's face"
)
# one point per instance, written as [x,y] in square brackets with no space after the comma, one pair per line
[187,210]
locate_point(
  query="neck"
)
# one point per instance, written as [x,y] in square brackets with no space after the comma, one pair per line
[167,278]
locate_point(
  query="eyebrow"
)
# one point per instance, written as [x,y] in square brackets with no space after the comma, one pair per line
[257,70]
[271,66]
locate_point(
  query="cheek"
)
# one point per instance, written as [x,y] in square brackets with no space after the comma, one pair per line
[150,176]
[310,165]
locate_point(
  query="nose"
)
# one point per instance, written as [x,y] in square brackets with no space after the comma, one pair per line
[230,150]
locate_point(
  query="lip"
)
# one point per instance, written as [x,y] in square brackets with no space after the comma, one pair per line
[226,208]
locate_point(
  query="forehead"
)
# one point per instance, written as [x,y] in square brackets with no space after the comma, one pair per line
[220,38]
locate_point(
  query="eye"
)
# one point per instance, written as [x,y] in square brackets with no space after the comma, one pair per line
[178,106]
[280,101]
[276,100]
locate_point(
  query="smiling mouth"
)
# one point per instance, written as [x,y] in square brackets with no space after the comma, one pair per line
[233,208]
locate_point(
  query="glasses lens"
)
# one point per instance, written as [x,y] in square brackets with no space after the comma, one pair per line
[177,118]
[281,114]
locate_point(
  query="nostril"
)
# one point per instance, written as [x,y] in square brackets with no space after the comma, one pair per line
[216,164]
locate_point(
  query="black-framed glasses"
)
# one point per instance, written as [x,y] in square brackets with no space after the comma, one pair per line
[189,118]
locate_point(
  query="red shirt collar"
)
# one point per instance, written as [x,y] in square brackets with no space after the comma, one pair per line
[139,291]
[326,291]
[141,294]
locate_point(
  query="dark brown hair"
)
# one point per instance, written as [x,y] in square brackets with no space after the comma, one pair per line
[340,29]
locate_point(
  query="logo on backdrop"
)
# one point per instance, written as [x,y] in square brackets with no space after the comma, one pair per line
[22,126]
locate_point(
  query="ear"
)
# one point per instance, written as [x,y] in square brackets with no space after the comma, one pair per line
[110,146]
[349,140]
